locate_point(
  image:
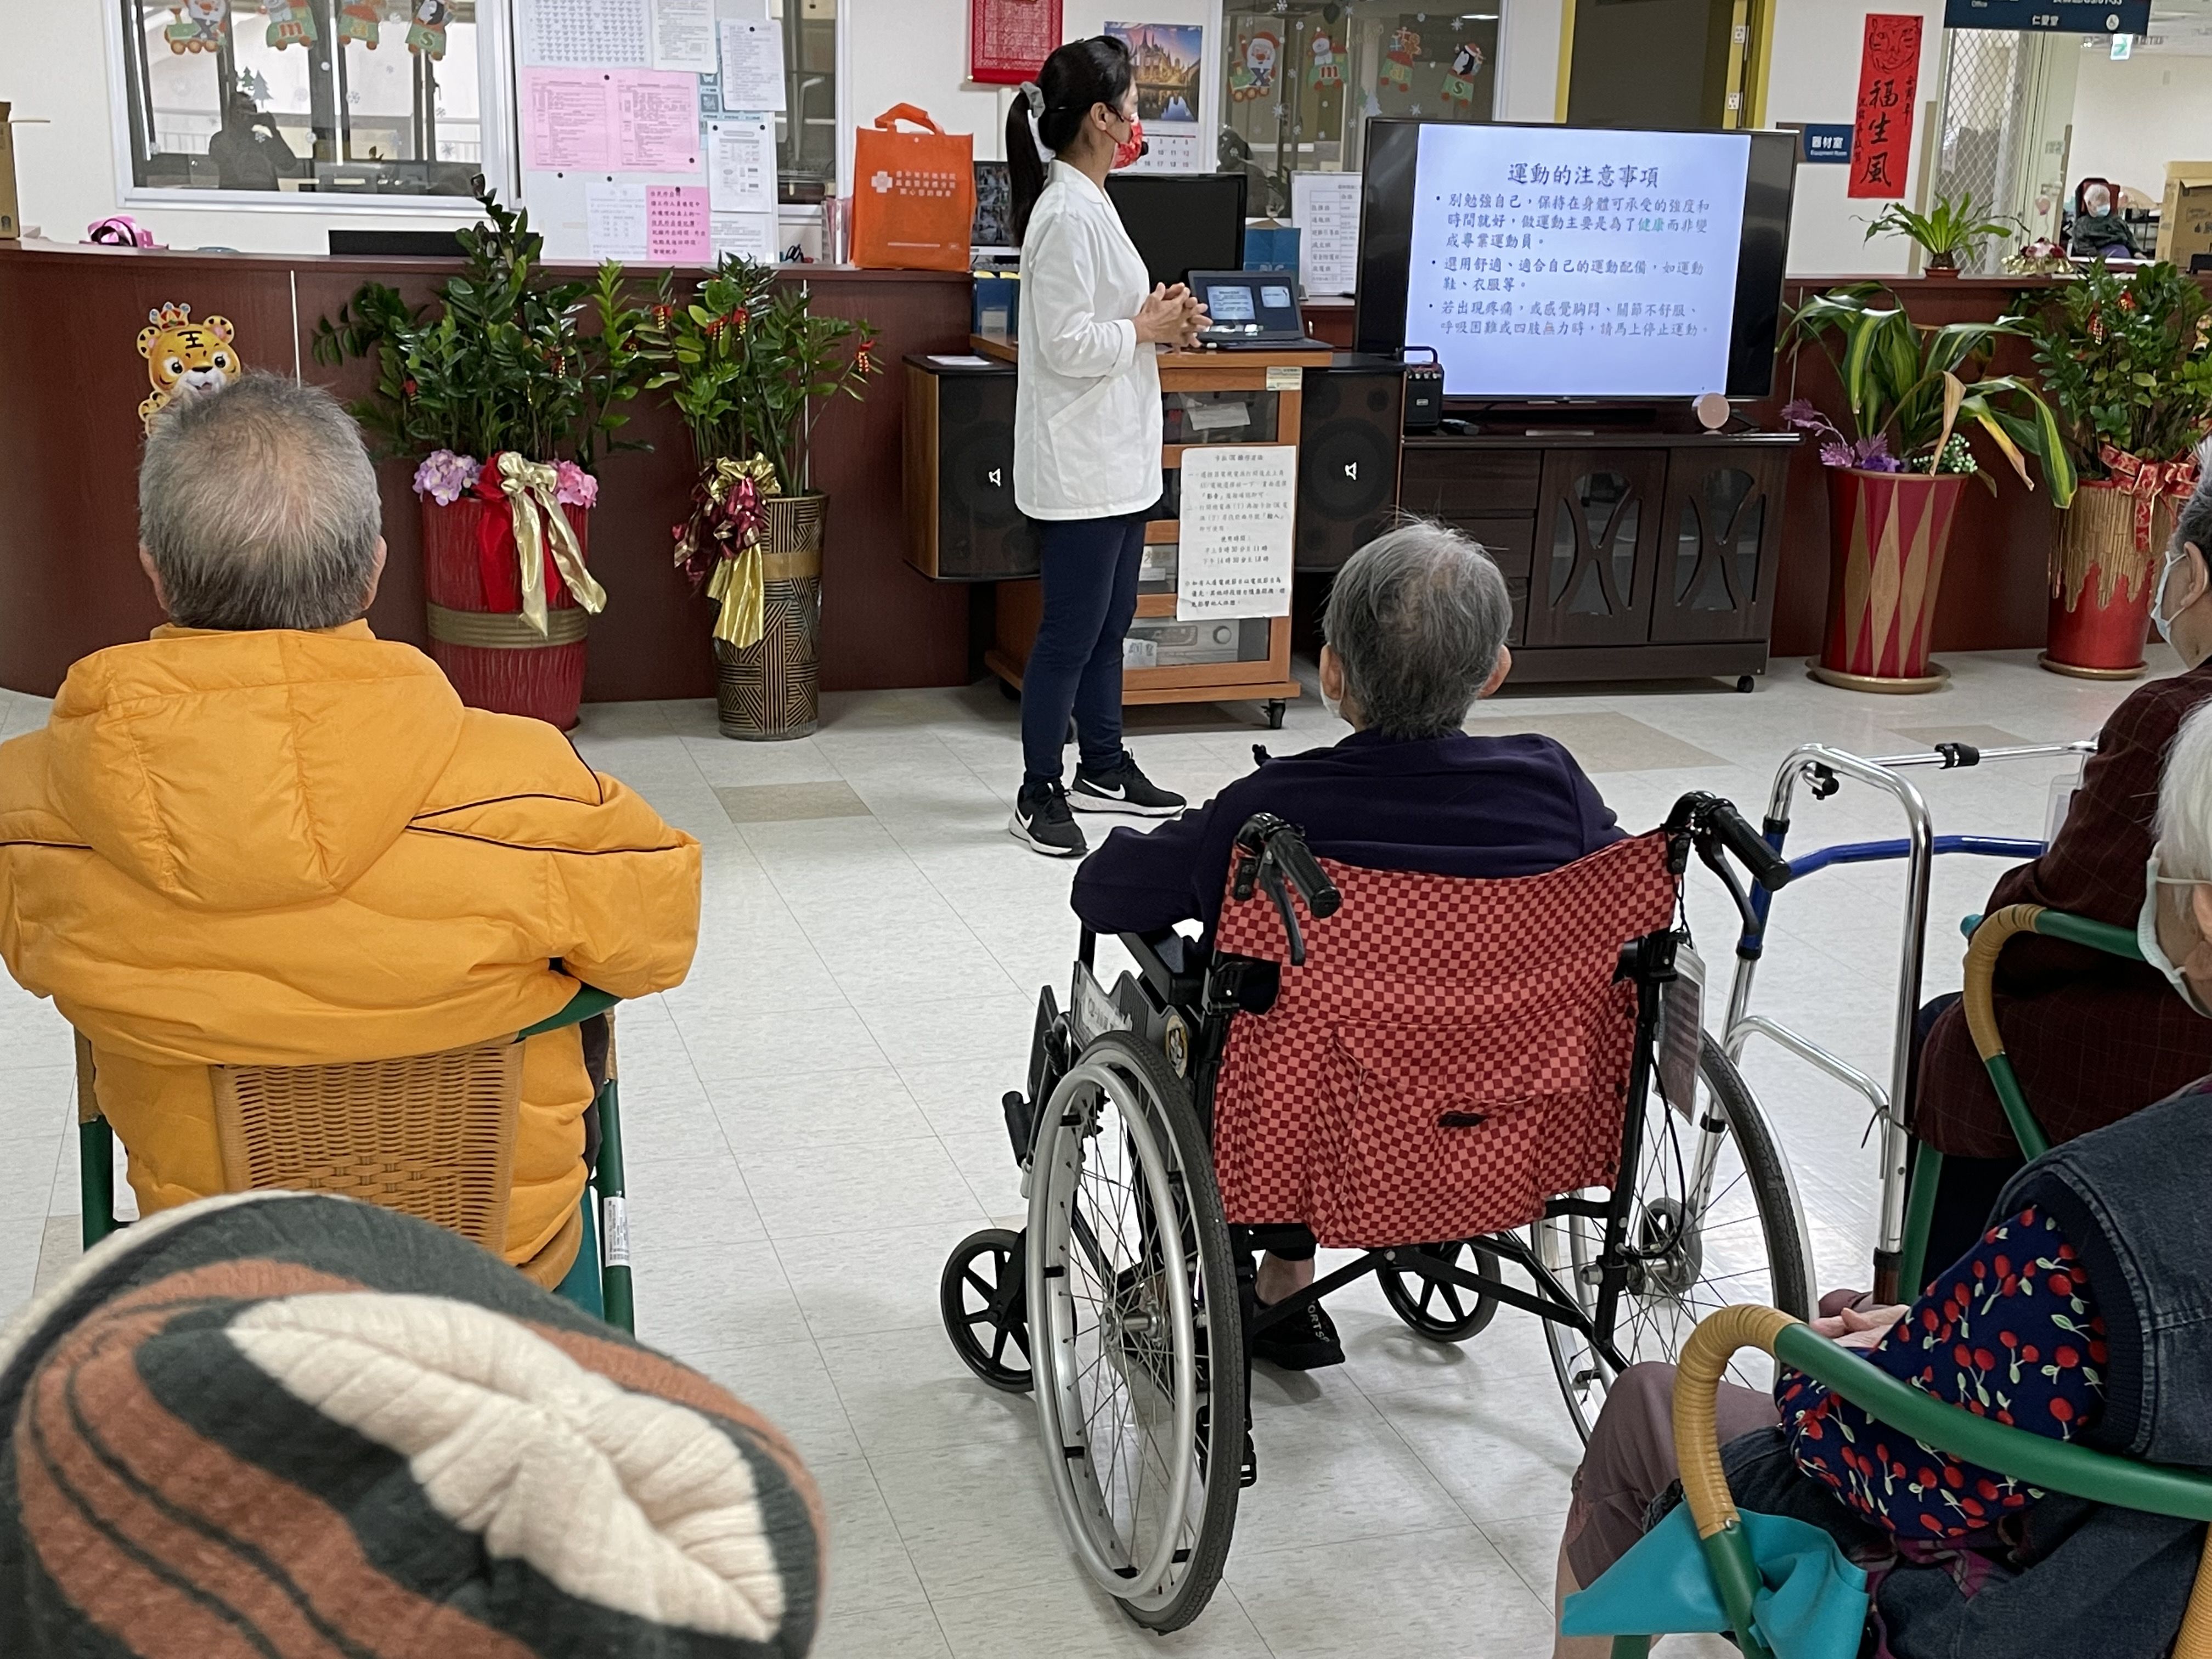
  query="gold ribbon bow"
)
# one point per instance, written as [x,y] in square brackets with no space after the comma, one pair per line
[529,486]
[2147,481]
[740,581]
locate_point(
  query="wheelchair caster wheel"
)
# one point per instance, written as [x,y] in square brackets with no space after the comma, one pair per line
[981,1295]
[1434,1307]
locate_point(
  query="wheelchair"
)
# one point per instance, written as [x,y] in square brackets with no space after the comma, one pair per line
[1452,1077]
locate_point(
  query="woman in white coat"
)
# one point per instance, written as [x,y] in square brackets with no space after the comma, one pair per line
[1086,431]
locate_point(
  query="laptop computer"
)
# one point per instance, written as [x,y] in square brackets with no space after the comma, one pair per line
[1249,310]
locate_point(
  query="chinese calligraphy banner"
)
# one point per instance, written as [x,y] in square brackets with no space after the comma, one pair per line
[1889,81]
[2064,16]
[1008,40]
[1239,502]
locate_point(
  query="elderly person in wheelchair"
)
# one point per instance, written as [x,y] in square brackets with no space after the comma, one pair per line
[265,839]
[2078,1315]
[1415,629]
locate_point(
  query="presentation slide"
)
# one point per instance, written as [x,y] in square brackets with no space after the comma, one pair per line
[1557,263]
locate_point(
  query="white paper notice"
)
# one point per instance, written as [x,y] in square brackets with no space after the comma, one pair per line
[752,65]
[1325,206]
[1168,150]
[684,36]
[741,163]
[596,33]
[615,220]
[1239,502]
[748,236]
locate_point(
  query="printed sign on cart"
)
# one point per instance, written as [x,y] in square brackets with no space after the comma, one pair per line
[2062,16]
[1239,502]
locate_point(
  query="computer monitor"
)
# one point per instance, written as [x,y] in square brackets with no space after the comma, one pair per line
[1182,223]
[396,244]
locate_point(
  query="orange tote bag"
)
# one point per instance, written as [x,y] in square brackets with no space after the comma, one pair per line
[914,194]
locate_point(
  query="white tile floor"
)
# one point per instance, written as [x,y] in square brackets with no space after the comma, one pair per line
[812,1123]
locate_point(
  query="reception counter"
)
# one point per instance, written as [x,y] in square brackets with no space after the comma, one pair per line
[70,434]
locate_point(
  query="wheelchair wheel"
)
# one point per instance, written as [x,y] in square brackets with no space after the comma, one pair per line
[1433,1308]
[980,1295]
[1714,1221]
[1136,1335]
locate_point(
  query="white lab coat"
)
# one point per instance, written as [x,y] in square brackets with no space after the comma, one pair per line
[1087,404]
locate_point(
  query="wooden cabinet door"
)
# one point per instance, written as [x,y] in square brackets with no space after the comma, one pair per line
[1720,544]
[1597,542]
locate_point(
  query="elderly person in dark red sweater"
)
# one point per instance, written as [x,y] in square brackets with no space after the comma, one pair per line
[2091,1036]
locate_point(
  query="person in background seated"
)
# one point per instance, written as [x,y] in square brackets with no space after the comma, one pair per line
[2073,1315]
[225,1438]
[2099,232]
[1415,627]
[2092,1038]
[266,837]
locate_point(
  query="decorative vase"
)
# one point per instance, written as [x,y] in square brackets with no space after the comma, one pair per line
[495,659]
[1888,533]
[768,690]
[2105,552]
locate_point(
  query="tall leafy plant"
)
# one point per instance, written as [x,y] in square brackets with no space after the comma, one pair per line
[1911,393]
[747,363]
[1950,234]
[505,357]
[2125,361]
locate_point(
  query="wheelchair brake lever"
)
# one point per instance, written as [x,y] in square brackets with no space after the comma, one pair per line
[1716,861]
[1271,877]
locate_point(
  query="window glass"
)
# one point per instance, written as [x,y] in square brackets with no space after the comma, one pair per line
[1300,80]
[807,130]
[349,97]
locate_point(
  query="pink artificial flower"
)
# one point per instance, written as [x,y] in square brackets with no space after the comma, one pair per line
[573,486]
[445,477]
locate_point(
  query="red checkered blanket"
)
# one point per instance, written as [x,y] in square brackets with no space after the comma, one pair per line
[1453,1053]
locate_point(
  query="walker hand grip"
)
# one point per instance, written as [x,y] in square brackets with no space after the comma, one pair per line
[1768,867]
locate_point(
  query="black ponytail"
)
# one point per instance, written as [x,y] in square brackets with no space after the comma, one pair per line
[1078,75]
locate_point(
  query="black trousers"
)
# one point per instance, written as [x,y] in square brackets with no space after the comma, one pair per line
[1089,570]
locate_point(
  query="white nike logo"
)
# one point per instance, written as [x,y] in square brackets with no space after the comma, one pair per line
[1119,791]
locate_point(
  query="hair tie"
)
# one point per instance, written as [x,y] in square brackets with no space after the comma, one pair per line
[1033,104]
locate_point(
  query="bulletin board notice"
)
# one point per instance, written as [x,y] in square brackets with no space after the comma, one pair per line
[1239,505]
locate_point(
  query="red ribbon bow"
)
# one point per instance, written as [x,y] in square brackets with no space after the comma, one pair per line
[2147,481]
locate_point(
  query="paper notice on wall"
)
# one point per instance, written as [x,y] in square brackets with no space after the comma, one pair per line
[568,121]
[752,65]
[678,226]
[741,163]
[601,33]
[1325,206]
[1168,151]
[747,235]
[1239,502]
[657,122]
[615,220]
[684,36]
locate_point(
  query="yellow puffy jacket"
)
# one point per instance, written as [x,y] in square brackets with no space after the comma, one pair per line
[287,848]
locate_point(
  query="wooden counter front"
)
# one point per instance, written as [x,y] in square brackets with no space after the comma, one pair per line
[70,437]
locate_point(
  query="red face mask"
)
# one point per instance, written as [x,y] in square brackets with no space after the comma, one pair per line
[1127,152]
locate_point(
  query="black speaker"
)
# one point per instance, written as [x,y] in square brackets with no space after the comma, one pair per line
[1351,423]
[962,522]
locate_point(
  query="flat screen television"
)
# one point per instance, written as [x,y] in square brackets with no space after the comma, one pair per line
[1546,262]
[1181,222]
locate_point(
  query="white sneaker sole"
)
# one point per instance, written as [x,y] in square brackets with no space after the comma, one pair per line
[1083,803]
[1020,832]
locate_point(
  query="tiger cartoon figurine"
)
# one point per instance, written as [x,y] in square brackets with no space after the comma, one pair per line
[185,359]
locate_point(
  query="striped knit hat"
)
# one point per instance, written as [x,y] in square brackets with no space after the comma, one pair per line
[292,1426]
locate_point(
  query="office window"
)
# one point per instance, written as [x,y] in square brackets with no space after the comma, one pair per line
[806,131]
[337,97]
[1300,78]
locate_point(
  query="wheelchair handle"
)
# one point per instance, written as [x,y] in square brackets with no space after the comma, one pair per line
[1768,867]
[1305,873]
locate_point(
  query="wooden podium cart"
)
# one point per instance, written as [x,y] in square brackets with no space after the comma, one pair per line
[1268,383]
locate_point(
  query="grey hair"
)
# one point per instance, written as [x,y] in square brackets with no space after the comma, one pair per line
[1417,618]
[258,507]
[2194,522]
[2184,823]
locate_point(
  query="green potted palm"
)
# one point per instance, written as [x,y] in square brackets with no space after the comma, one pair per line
[504,397]
[746,364]
[2124,360]
[1950,235]
[1912,395]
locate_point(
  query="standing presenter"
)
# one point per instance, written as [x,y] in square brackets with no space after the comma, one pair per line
[1086,431]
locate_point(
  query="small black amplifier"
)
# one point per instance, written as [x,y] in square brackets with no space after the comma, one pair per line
[1424,396]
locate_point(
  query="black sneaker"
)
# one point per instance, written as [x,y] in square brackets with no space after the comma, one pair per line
[1043,821]
[1122,788]
[1306,1342]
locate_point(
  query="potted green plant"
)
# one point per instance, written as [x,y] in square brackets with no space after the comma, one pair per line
[746,363]
[505,398]
[1950,235]
[2124,361]
[1911,396]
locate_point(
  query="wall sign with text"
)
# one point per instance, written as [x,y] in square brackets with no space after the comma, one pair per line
[1830,145]
[2064,16]
[1889,82]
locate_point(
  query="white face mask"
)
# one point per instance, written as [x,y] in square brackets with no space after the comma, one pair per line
[1334,705]
[2161,619]
[2147,935]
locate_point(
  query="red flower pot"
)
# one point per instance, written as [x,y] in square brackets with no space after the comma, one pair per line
[2101,581]
[494,658]
[1888,532]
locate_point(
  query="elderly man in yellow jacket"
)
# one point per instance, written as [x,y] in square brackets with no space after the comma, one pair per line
[264,837]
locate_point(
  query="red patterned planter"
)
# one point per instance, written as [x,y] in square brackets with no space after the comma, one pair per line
[1888,532]
[494,658]
[2101,582]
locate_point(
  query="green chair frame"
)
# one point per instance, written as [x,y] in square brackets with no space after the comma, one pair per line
[606,1224]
